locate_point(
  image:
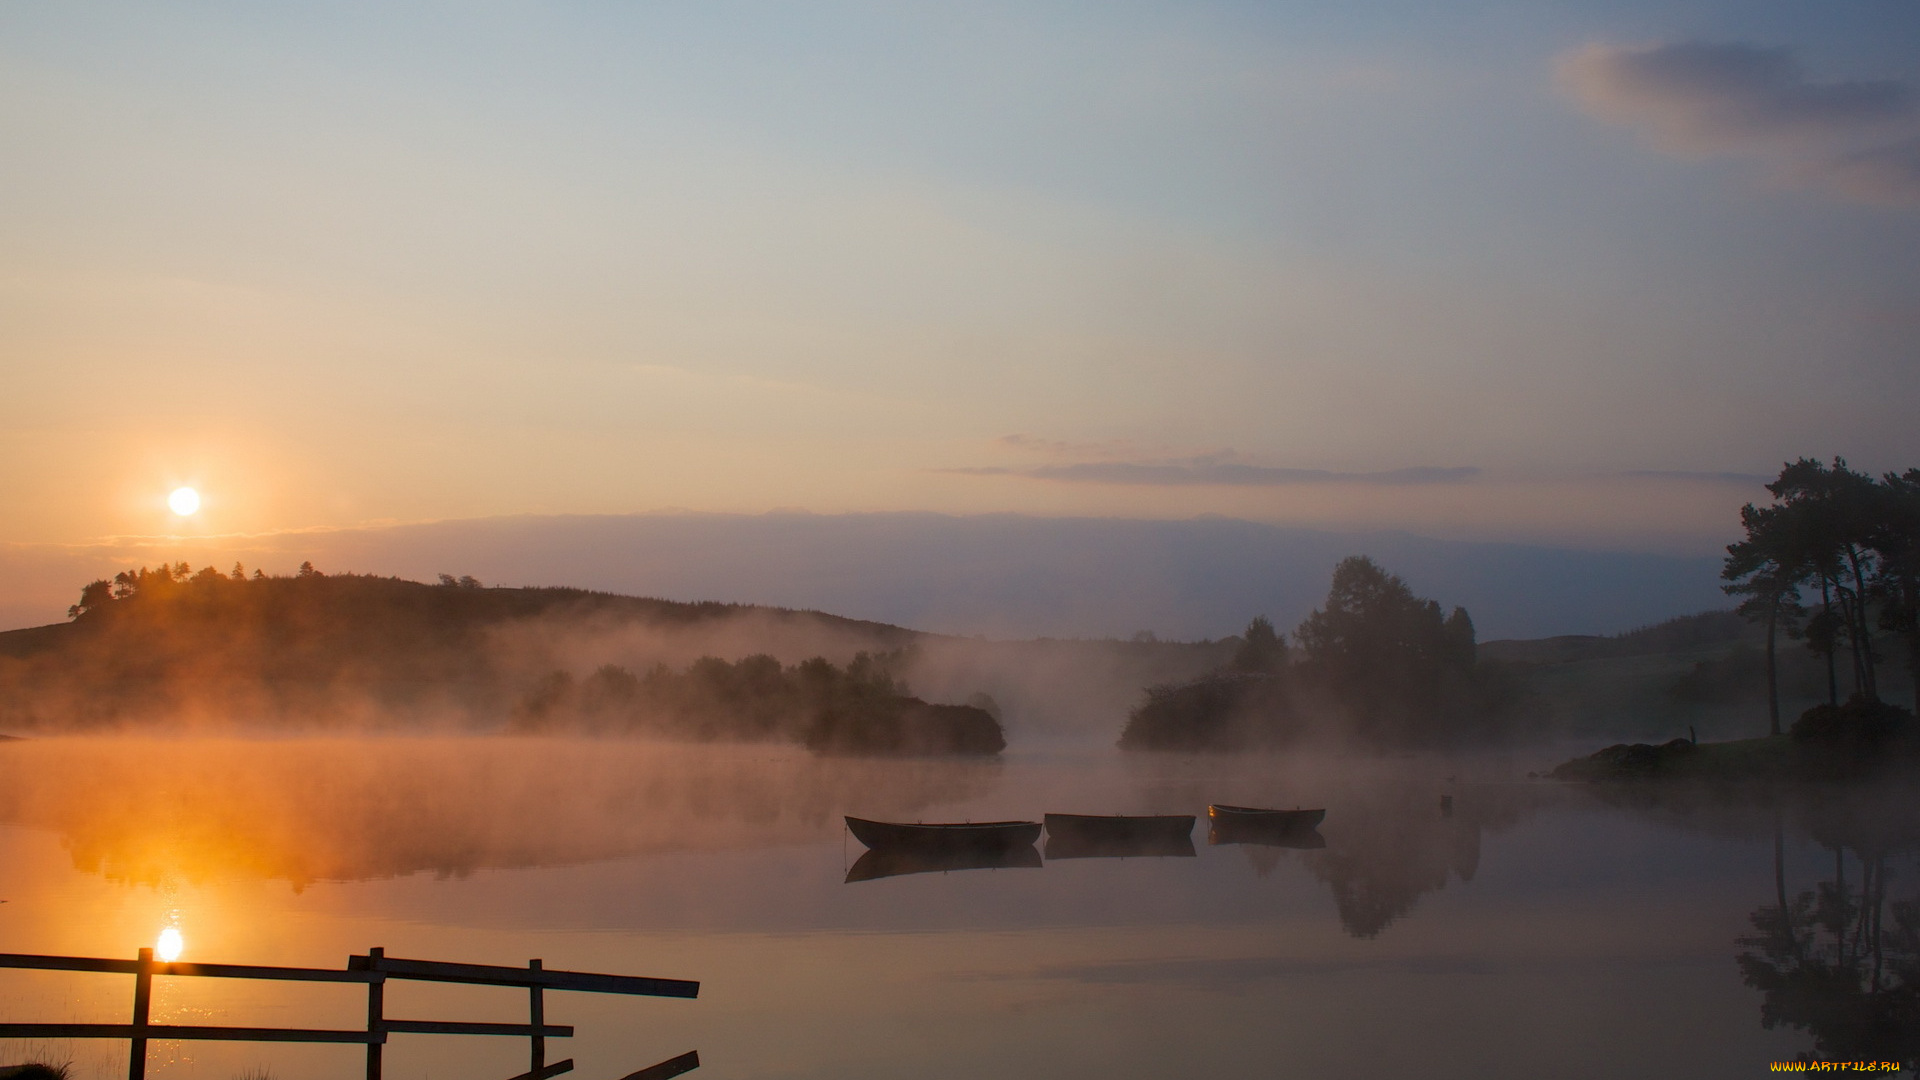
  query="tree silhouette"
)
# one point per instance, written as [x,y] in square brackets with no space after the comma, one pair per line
[1855,539]
[1833,513]
[1767,568]
[94,597]
[1388,657]
[1382,664]
[1262,651]
[1896,541]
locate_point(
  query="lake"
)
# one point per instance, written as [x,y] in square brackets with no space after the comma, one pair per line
[1525,929]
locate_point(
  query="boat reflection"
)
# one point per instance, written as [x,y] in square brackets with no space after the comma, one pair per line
[1079,847]
[1301,839]
[1085,836]
[896,860]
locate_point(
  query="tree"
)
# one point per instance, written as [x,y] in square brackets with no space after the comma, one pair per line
[95,596]
[1896,541]
[1825,526]
[1389,658]
[1458,638]
[1767,568]
[1831,511]
[1262,651]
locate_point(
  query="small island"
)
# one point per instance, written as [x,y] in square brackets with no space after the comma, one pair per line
[1376,666]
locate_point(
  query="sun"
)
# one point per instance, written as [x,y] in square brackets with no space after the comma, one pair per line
[170,945]
[184,501]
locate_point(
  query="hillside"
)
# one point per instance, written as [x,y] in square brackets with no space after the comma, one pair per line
[1703,672]
[347,651]
[336,650]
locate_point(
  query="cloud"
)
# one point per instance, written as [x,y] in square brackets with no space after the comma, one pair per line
[1107,450]
[1200,471]
[1859,139]
[1739,478]
[1880,174]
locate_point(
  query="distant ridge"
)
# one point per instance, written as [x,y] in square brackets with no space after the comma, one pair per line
[1686,632]
[1002,575]
[1017,577]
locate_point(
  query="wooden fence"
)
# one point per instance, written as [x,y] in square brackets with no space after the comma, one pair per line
[373,969]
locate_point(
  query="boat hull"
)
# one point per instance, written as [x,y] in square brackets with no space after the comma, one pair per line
[1275,828]
[951,836]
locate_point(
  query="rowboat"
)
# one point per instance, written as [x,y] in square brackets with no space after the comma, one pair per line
[1095,836]
[1254,825]
[882,862]
[1253,815]
[952,836]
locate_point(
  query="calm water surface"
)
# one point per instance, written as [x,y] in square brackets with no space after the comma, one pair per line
[1531,930]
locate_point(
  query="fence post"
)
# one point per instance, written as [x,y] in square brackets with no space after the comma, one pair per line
[537,1016]
[142,1009]
[376,1011]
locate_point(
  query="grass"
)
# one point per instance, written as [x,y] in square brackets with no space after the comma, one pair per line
[35,1071]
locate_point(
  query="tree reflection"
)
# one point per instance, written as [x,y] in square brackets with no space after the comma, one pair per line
[1839,961]
[1385,853]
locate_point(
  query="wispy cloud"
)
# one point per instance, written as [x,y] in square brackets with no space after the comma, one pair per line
[1859,139]
[1687,475]
[1108,450]
[1203,471]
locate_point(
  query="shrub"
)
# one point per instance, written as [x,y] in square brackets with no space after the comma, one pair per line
[1862,724]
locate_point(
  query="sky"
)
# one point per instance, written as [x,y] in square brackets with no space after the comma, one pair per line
[1573,273]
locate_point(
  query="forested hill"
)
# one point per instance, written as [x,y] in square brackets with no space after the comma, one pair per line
[177,649]
[340,646]
[1688,632]
[354,612]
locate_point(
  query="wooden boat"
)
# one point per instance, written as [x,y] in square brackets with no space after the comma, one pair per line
[1255,825]
[1118,836]
[1255,815]
[956,836]
[892,861]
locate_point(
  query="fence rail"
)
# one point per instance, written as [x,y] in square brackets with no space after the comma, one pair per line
[373,970]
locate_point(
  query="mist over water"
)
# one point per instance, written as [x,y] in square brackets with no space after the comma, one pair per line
[1521,921]
[141,810]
